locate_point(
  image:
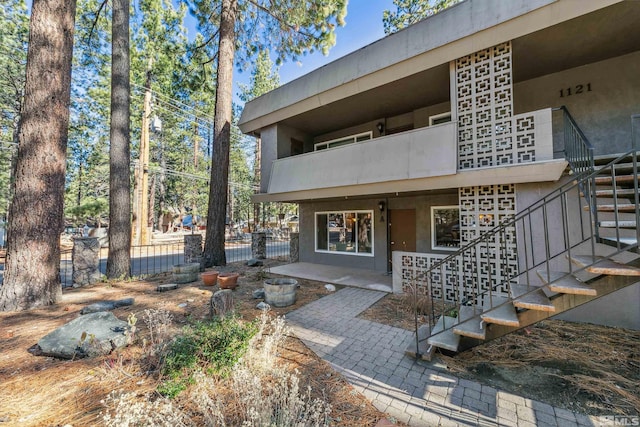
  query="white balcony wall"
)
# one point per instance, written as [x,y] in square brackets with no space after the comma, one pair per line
[421,153]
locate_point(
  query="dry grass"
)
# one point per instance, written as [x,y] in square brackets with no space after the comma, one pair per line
[43,391]
[586,368]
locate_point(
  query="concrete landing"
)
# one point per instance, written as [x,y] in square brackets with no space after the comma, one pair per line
[347,276]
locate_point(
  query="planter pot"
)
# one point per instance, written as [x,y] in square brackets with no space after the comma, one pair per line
[209,278]
[280,292]
[228,280]
[186,273]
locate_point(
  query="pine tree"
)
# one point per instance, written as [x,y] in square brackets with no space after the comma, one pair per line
[411,11]
[291,28]
[14,33]
[32,270]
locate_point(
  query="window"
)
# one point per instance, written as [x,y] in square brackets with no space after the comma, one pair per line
[349,232]
[440,118]
[445,227]
[343,141]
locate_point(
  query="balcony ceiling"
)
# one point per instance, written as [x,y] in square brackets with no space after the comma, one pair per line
[597,36]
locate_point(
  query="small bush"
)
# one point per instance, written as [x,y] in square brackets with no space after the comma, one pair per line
[212,347]
[127,409]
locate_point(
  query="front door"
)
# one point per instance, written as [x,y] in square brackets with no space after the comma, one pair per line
[402,231]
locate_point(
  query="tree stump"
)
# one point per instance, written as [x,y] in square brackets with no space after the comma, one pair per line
[221,303]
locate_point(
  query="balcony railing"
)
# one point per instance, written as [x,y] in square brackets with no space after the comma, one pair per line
[419,153]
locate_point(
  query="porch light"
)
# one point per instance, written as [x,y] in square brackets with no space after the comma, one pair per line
[381,205]
[380,127]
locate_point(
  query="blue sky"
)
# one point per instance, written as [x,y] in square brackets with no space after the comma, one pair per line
[363,26]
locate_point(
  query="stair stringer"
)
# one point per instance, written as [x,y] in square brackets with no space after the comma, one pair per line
[605,285]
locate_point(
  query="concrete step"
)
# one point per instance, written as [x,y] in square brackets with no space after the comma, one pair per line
[473,328]
[620,179]
[603,265]
[620,168]
[622,192]
[471,323]
[565,285]
[531,298]
[620,224]
[624,241]
[605,159]
[620,207]
[442,337]
[504,314]
[425,351]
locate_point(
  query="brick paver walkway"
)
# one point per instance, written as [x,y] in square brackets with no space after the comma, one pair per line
[371,357]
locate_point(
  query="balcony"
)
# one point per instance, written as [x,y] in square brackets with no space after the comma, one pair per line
[417,160]
[420,153]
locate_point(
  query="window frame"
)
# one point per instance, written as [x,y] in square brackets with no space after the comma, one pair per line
[436,117]
[433,228]
[356,212]
[354,137]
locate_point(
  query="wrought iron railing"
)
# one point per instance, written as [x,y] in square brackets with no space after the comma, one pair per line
[160,257]
[549,232]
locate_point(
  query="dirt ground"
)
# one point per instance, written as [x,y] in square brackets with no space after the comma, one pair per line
[43,391]
[585,368]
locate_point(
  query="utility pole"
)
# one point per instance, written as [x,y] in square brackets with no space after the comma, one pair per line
[142,209]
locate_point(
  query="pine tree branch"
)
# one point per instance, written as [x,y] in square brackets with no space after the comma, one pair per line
[282,21]
[205,43]
[95,21]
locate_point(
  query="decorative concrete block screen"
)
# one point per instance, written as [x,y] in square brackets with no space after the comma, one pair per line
[467,277]
[488,133]
[490,264]
[410,270]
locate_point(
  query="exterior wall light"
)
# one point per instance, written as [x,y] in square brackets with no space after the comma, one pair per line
[381,205]
[380,127]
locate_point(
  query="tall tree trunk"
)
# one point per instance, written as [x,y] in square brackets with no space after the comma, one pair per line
[119,261]
[32,270]
[214,253]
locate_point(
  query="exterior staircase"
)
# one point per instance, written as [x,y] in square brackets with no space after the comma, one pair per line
[594,254]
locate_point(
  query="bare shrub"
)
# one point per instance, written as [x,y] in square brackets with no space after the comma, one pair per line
[159,323]
[127,409]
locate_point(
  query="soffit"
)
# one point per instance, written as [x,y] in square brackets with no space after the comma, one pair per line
[602,34]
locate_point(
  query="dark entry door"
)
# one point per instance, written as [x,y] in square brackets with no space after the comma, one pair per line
[402,231]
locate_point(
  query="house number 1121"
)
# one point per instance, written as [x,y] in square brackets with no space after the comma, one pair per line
[578,89]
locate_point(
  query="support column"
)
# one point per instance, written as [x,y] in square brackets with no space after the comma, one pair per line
[259,245]
[193,249]
[294,247]
[85,259]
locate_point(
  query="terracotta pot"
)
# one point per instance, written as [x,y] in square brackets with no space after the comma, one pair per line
[209,278]
[228,280]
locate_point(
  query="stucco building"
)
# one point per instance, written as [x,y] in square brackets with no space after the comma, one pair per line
[408,150]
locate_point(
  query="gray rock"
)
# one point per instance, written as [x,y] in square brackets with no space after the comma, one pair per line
[330,287]
[263,306]
[92,335]
[253,262]
[258,293]
[106,305]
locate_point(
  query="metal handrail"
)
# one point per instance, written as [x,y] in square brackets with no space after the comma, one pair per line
[579,152]
[584,184]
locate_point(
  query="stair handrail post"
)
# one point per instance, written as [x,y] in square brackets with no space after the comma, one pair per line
[414,288]
[635,145]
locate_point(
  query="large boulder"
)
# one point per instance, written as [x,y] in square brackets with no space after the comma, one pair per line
[90,335]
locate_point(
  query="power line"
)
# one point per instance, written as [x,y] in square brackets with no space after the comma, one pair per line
[170,100]
[158,169]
